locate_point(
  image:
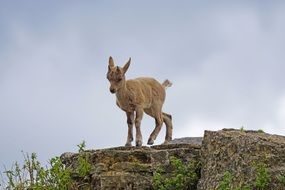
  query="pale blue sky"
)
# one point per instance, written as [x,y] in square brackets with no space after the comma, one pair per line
[225,59]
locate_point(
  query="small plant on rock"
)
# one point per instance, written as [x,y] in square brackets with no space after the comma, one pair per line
[84,166]
[260,131]
[262,176]
[244,187]
[281,179]
[181,176]
[225,184]
[81,146]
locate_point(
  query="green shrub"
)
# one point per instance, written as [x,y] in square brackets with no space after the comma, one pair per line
[244,187]
[260,131]
[181,176]
[261,182]
[84,166]
[262,176]
[225,184]
[31,175]
[58,175]
[281,179]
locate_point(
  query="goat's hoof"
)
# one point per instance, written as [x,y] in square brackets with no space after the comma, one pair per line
[165,142]
[138,143]
[128,144]
[150,142]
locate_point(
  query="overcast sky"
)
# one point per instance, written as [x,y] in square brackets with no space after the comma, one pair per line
[225,59]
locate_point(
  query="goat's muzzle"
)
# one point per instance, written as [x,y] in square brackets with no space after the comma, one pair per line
[112,90]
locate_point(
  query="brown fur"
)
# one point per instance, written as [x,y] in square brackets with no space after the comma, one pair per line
[137,96]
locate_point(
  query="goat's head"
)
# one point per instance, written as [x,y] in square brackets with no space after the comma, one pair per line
[116,75]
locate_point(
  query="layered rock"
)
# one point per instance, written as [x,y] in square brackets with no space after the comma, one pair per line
[128,168]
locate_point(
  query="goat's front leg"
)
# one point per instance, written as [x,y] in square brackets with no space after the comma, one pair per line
[130,121]
[139,116]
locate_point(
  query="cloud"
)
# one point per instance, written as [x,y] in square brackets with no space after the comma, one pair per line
[195,127]
[281,114]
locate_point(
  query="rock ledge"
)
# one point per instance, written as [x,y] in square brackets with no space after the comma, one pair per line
[235,151]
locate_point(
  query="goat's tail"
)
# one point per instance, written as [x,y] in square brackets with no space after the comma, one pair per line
[167,83]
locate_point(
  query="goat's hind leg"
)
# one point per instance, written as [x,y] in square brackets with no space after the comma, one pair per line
[130,121]
[167,119]
[158,124]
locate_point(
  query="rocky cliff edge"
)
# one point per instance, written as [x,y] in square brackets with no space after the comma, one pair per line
[237,152]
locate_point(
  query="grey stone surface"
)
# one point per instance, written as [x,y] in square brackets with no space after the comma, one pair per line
[128,167]
[239,152]
[188,140]
[235,151]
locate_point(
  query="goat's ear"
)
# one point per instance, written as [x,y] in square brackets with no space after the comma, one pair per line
[126,66]
[111,62]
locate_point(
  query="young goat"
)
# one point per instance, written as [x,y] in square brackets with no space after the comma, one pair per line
[137,96]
